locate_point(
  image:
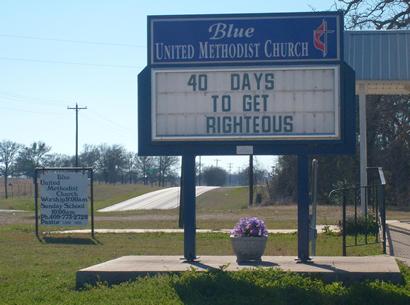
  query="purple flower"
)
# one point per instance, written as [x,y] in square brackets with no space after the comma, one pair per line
[249,226]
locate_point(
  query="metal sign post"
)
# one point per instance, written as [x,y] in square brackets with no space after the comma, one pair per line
[189,213]
[36,203]
[303,208]
[246,84]
[313,231]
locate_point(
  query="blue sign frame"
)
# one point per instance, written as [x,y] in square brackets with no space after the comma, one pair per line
[239,39]
[165,29]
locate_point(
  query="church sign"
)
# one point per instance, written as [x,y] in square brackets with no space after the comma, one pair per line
[274,38]
[250,84]
[273,83]
[64,198]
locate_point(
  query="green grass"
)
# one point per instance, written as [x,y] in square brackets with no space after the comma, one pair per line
[223,199]
[44,273]
[217,209]
[25,203]
[104,195]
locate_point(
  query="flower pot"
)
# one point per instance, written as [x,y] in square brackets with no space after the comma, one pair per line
[248,248]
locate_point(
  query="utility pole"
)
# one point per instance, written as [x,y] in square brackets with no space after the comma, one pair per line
[216,161]
[250,180]
[230,169]
[181,197]
[199,171]
[76,108]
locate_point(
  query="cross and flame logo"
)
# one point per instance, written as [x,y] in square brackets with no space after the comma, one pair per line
[320,37]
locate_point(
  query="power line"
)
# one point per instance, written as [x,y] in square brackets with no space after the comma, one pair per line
[17,96]
[115,130]
[111,121]
[29,111]
[114,44]
[9,100]
[13,97]
[102,118]
[68,63]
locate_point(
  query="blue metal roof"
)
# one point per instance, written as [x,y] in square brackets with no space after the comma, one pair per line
[378,55]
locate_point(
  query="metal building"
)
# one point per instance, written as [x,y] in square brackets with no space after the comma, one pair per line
[381,60]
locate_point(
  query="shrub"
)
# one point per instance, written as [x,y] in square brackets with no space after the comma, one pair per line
[362,225]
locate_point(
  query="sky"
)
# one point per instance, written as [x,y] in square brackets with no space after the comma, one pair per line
[54,54]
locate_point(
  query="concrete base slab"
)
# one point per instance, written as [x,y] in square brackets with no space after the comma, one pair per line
[328,268]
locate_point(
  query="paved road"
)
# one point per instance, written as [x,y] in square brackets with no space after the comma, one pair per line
[398,236]
[162,199]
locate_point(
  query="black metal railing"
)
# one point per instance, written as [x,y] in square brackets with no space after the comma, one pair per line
[363,213]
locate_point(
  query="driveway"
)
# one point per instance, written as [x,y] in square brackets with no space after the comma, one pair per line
[162,199]
[398,236]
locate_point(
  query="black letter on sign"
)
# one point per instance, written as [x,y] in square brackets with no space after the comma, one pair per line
[210,124]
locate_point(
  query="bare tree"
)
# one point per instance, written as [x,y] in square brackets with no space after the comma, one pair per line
[60,160]
[112,162]
[165,168]
[8,153]
[131,166]
[145,166]
[31,157]
[90,155]
[375,14]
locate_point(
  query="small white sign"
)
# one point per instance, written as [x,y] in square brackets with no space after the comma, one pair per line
[64,198]
[246,104]
[244,150]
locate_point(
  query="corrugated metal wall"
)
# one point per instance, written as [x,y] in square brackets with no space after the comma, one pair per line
[378,55]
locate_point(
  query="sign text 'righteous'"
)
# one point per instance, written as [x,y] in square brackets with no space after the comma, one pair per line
[246,103]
